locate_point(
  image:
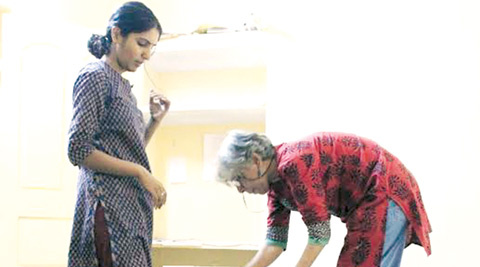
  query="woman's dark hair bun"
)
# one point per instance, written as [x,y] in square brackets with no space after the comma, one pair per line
[98,45]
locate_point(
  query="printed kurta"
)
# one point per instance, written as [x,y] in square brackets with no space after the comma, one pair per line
[106,118]
[349,177]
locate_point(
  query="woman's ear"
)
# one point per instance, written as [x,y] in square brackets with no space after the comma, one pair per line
[116,34]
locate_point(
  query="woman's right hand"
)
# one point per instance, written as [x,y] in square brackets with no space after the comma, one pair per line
[153,186]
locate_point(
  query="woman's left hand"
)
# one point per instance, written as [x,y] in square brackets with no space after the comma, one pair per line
[159,106]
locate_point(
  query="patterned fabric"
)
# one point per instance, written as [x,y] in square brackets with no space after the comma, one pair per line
[352,178]
[319,233]
[106,118]
[278,236]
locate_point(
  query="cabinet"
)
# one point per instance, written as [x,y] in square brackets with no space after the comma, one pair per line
[214,78]
[212,51]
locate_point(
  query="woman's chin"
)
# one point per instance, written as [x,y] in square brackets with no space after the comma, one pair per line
[262,191]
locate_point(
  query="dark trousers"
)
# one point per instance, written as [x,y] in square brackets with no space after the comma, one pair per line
[102,239]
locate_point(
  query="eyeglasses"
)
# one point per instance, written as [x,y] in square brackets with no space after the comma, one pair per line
[152,50]
[142,42]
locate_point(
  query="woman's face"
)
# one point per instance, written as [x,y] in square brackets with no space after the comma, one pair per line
[132,50]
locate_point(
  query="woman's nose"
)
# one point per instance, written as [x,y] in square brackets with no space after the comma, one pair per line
[147,54]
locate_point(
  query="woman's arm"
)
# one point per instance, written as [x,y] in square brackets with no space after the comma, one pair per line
[265,256]
[309,255]
[101,162]
[152,126]
[159,106]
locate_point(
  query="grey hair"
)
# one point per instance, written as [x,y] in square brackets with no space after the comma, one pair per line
[236,152]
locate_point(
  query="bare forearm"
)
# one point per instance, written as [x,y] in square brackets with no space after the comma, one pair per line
[265,256]
[309,255]
[150,130]
[101,162]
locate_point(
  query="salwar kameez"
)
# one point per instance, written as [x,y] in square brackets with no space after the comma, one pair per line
[352,178]
[106,118]
[395,236]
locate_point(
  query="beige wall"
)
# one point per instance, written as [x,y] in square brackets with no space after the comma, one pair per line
[210,89]
[38,192]
[200,209]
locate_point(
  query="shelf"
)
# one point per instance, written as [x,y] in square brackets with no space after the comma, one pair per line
[209,117]
[212,51]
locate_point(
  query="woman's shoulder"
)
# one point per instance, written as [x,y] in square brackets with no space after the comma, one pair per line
[93,68]
[93,72]
[91,78]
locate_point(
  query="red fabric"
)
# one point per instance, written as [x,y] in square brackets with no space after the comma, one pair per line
[352,178]
[102,239]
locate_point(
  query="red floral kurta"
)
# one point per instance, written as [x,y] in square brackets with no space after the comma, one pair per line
[349,177]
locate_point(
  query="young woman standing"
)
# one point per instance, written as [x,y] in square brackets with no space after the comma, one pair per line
[116,191]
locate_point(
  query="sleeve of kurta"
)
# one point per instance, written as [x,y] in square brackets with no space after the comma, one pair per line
[277,222]
[89,94]
[309,196]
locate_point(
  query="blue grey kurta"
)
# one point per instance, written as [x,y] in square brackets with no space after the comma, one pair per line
[106,118]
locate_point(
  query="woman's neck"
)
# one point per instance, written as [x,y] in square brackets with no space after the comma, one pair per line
[272,174]
[112,61]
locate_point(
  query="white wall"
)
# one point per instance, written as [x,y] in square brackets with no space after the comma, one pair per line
[403,73]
